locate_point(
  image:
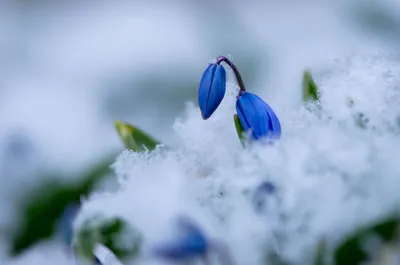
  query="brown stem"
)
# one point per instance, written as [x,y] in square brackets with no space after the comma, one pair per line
[235,70]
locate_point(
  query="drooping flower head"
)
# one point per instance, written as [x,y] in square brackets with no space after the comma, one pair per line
[254,115]
[257,117]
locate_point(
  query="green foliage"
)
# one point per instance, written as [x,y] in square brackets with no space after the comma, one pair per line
[41,209]
[350,251]
[123,240]
[310,89]
[272,258]
[134,138]
[239,128]
[321,252]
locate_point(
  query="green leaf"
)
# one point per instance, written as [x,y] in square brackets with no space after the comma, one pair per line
[350,251]
[134,138]
[310,89]
[239,128]
[116,234]
[41,209]
[85,241]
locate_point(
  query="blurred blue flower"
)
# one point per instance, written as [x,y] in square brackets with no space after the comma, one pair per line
[66,222]
[261,193]
[189,243]
[212,89]
[257,116]
[66,227]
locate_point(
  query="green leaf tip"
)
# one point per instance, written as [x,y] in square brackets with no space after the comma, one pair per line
[121,238]
[239,128]
[134,138]
[310,89]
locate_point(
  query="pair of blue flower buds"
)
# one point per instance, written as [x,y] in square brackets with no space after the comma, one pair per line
[256,117]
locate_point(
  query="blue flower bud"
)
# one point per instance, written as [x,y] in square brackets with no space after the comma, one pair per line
[212,89]
[189,243]
[257,116]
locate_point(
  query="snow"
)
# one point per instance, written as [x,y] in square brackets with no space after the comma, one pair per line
[331,175]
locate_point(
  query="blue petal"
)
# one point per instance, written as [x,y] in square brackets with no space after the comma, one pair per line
[190,242]
[255,114]
[264,189]
[196,243]
[260,120]
[240,106]
[193,238]
[188,247]
[67,220]
[217,91]
[276,125]
[212,89]
[205,87]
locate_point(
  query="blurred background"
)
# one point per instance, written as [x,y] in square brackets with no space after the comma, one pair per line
[68,69]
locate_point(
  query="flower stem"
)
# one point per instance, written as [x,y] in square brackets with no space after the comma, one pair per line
[235,71]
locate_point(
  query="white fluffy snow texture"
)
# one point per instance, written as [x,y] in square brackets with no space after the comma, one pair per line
[331,175]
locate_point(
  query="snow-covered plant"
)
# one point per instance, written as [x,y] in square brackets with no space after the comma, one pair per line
[323,190]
